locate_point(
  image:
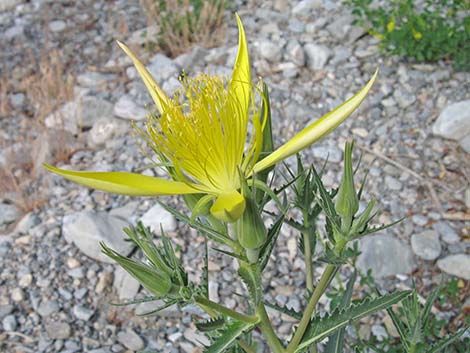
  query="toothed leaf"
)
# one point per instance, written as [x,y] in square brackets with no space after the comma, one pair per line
[252,283]
[211,324]
[285,310]
[320,328]
[444,342]
[228,337]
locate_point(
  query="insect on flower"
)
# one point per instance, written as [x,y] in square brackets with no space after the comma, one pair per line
[202,133]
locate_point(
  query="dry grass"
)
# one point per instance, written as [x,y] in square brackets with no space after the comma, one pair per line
[49,86]
[22,179]
[184,23]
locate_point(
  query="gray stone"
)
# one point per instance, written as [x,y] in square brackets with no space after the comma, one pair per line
[317,56]
[125,212]
[341,27]
[27,222]
[447,233]
[83,112]
[5,310]
[126,286]
[426,245]
[47,308]
[303,7]
[9,323]
[171,86]
[194,57]
[295,52]
[467,198]
[385,256]
[8,213]
[404,98]
[57,26]
[393,183]
[81,312]
[87,229]
[131,340]
[465,144]
[454,121]
[456,265]
[420,220]
[332,154]
[196,338]
[158,218]
[162,68]
[58,330]
[269,51]
[126,108]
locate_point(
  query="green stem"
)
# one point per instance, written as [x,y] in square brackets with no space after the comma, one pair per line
[325,280]
[250,319]
[267,330]
[308,254]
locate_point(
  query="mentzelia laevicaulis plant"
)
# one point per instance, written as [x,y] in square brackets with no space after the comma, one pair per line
[201,133]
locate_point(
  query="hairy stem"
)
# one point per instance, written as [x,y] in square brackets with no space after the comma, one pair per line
[267,330]
[325,280]
[308,254]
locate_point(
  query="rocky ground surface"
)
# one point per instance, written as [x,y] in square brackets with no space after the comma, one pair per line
[413,131]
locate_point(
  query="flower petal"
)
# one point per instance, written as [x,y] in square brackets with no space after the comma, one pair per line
[317,130]
[158,96]
[125,183]
[228,207]
[240,84]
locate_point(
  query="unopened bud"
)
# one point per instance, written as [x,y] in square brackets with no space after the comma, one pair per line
[251,231]
[347,202]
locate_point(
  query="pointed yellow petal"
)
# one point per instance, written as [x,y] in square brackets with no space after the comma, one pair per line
[317,130]
[228,207]
[125,183]
[158,96]
[240,85]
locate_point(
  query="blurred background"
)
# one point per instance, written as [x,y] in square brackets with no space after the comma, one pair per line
[68,95]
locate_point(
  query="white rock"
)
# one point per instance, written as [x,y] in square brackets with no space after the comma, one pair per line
[126,108]
[105,129]
[426,245]
[6,5]
[92,79]
[456,265]
[157,217]
[303,7]
[454,123]
[317,55]
[57,26]
[87,229]
[126,286]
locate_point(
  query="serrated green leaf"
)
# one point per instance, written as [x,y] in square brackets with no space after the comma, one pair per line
[336,341]
[285,310]
[319,328]
[271,239]
[228,337]
[444,342]
[211,324]
[251,280]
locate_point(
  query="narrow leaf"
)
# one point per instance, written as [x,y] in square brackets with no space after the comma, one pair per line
[445,342]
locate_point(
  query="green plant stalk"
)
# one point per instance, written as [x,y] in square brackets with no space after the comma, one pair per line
[307,254]
[267,330]
[245,346]
[206,303]
[325,280]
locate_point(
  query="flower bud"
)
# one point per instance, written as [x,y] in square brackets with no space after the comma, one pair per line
[251,231]
[347,202]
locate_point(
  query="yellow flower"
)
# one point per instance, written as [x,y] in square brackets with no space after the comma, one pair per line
[417,35]
[391,25]
[202,132]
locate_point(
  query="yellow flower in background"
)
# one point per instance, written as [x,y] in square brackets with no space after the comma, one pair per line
[417,35]
[391,25]
[202,132]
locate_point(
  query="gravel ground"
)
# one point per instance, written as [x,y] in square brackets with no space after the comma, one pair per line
[55,286]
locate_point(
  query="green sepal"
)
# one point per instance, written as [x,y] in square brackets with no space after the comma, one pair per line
[251,232]
[157,283]
[202,206]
